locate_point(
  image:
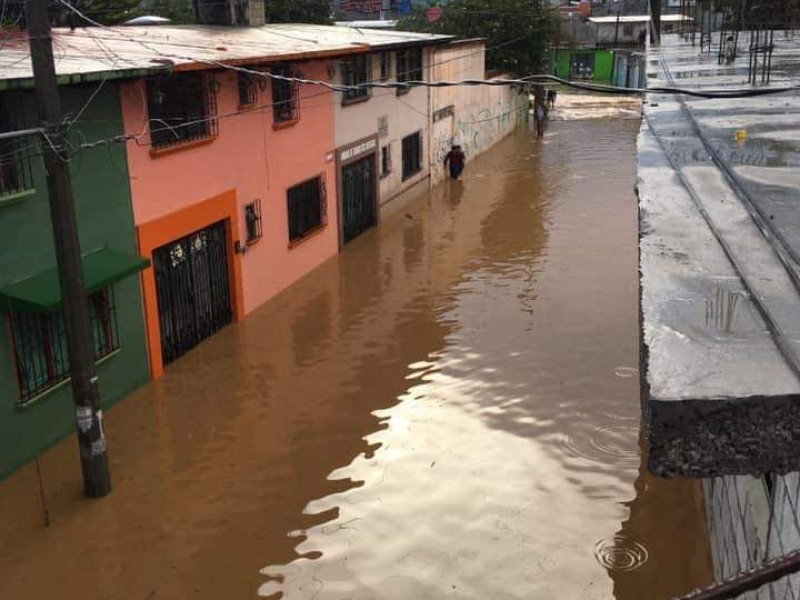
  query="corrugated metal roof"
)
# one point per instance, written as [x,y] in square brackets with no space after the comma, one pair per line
[92,53]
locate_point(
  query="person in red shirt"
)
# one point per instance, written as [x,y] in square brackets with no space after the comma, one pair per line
[455,160]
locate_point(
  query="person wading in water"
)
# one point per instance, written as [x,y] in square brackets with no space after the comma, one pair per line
[455,159]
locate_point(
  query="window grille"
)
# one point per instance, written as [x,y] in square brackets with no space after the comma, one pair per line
[248,89]
[386,160]
[252,219]
[386,65]
[40,343]
[412,155]
[16,174]
[355,72]
[183,108]
[306,207]
[284,96]
[409,66]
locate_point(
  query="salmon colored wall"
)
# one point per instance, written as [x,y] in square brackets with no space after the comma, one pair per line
[255,161]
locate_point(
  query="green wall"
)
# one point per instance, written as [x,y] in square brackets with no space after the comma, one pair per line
[603,65]
[105,219]
[603,62]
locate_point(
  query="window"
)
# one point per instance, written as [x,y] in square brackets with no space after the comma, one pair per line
[40,343]
[583,66]
[386,65]
[386,160]
[248,89]
[15,163]
[355,71]
[252,220]
[412,155]
[183,108]
[409,66]
[306,204]
[284,97]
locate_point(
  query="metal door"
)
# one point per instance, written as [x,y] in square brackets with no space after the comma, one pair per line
[358,197]
[193,290]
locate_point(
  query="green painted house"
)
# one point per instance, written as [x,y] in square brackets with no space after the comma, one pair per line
[35,396]
[591,64]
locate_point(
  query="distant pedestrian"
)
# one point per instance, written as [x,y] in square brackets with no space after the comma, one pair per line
[455,160]
[551,98]
[730,50]
[539,116]
[642,39]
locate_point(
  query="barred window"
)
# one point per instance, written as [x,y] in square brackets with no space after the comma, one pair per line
[306,207]
[409,67]
[412,155]
[386,160]
[355,72]
[15,163]
[248,89]
[40,343]
[386,65]
[183,108]
[252,219]
[284,96]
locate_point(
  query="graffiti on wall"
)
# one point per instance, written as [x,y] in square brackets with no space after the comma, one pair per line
[479,129]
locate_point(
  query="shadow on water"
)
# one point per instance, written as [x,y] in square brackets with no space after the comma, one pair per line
[448,409]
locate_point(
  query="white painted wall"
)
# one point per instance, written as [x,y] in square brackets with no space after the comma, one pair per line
[407,113]
[481,115]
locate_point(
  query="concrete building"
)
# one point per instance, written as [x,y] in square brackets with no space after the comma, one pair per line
[382,135]
[720,302]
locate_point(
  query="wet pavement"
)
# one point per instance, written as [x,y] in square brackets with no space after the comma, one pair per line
[450,409]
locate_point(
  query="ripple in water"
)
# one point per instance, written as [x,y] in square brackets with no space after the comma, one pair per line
[612,445]
[620,554]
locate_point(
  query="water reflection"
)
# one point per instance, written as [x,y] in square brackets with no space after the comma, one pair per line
[442,412]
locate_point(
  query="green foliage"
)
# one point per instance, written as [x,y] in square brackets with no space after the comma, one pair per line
[298,11]
[108,12]
[518,32]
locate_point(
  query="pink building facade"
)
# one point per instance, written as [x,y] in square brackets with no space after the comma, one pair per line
[232,177]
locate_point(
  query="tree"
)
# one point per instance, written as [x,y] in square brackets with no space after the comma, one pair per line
[298,11]
[107,12]
[518,32]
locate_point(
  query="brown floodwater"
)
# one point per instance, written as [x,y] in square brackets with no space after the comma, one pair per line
[449,409]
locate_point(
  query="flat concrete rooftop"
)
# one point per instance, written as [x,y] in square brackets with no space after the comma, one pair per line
[720,305]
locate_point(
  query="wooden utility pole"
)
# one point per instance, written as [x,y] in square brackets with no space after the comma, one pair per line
[85,393]
[655,21]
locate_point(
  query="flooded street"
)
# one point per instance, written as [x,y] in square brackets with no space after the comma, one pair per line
[450,409]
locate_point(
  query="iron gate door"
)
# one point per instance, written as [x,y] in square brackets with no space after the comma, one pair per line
[358,197]
[192,287]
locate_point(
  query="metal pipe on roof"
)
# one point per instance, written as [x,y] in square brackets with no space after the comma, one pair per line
[7,135]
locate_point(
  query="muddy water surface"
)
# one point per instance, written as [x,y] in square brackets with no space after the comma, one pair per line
[448,410]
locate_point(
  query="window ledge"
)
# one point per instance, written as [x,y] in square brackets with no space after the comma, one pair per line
[16,197]
[285,124]
[253,241]
[352,101]
[385,175]
[412,175]
[312,233]
[180,146]
[52,390]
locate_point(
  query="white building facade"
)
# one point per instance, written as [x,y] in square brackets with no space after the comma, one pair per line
[382,134]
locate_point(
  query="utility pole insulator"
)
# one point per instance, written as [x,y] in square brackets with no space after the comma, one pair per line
[83,373]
